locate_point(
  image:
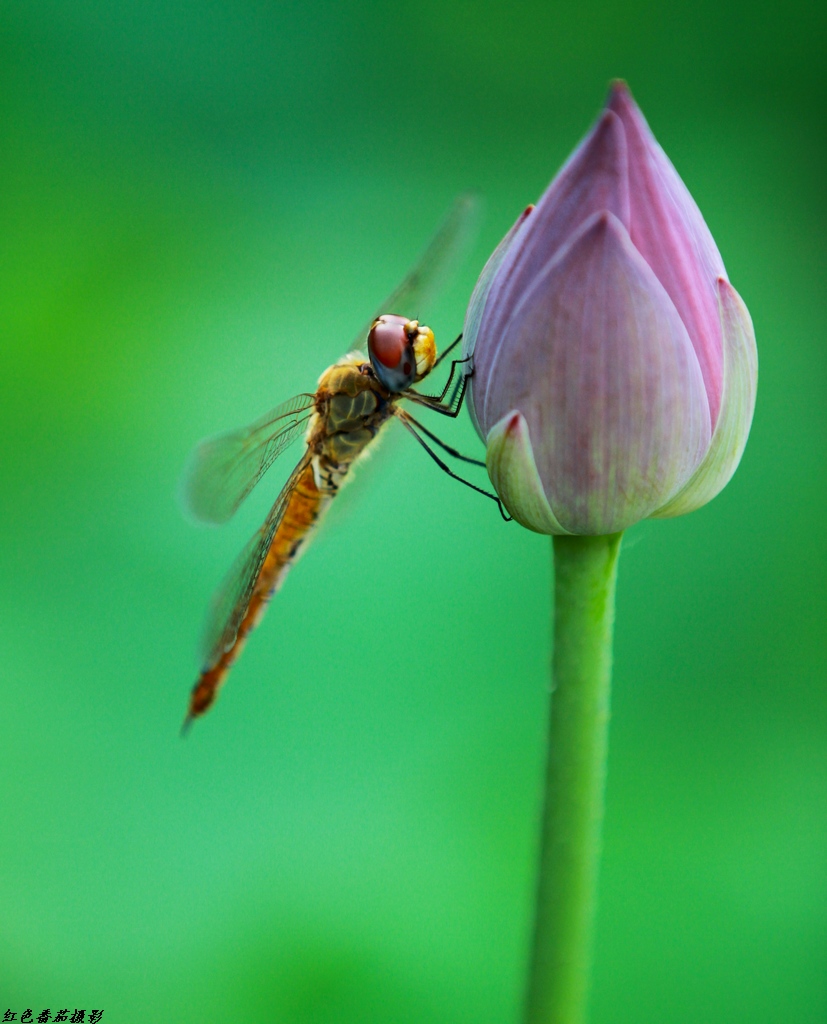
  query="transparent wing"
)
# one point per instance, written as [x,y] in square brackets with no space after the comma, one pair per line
[231,600]
[224,469]
[431,271]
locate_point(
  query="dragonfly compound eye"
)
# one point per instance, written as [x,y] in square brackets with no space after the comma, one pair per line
[390,347]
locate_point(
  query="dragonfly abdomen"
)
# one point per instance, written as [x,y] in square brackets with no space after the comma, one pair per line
[305,506]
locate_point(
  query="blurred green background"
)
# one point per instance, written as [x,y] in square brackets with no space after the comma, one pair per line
[200,203]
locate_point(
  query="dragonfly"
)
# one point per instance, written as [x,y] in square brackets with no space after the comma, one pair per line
[354,400]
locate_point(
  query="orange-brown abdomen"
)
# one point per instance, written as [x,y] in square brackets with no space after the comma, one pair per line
[305,505]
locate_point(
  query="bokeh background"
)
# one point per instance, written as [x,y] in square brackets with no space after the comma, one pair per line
[201,203]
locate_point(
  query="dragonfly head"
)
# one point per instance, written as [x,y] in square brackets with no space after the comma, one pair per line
[401,350]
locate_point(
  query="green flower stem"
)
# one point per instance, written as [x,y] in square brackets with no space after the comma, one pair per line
[585,569]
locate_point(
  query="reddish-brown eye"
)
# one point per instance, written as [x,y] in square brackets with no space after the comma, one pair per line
[391,351]
[387,340]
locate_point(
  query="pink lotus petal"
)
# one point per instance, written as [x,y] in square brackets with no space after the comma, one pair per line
[594,178]
[669,232]
[621,418]
[737,406]
[479,296]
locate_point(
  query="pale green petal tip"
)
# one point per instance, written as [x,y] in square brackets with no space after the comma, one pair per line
[513,472]
[740,380]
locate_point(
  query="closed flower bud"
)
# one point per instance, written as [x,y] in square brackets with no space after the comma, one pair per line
[614,366]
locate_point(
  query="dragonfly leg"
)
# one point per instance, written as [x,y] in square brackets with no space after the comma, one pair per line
[437,402]
[446,352]
[409,425]
[442,444]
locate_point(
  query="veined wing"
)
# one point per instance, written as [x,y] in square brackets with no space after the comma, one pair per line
[445,250]
[224,469]
[232,599]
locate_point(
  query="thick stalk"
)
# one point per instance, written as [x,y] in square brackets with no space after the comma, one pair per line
[585,569]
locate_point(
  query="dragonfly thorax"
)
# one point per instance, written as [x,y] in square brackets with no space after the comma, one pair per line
[401,351]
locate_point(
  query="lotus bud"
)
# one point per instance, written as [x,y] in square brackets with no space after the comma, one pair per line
[614,366]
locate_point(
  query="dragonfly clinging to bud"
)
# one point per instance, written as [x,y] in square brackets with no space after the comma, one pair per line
[354,399]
